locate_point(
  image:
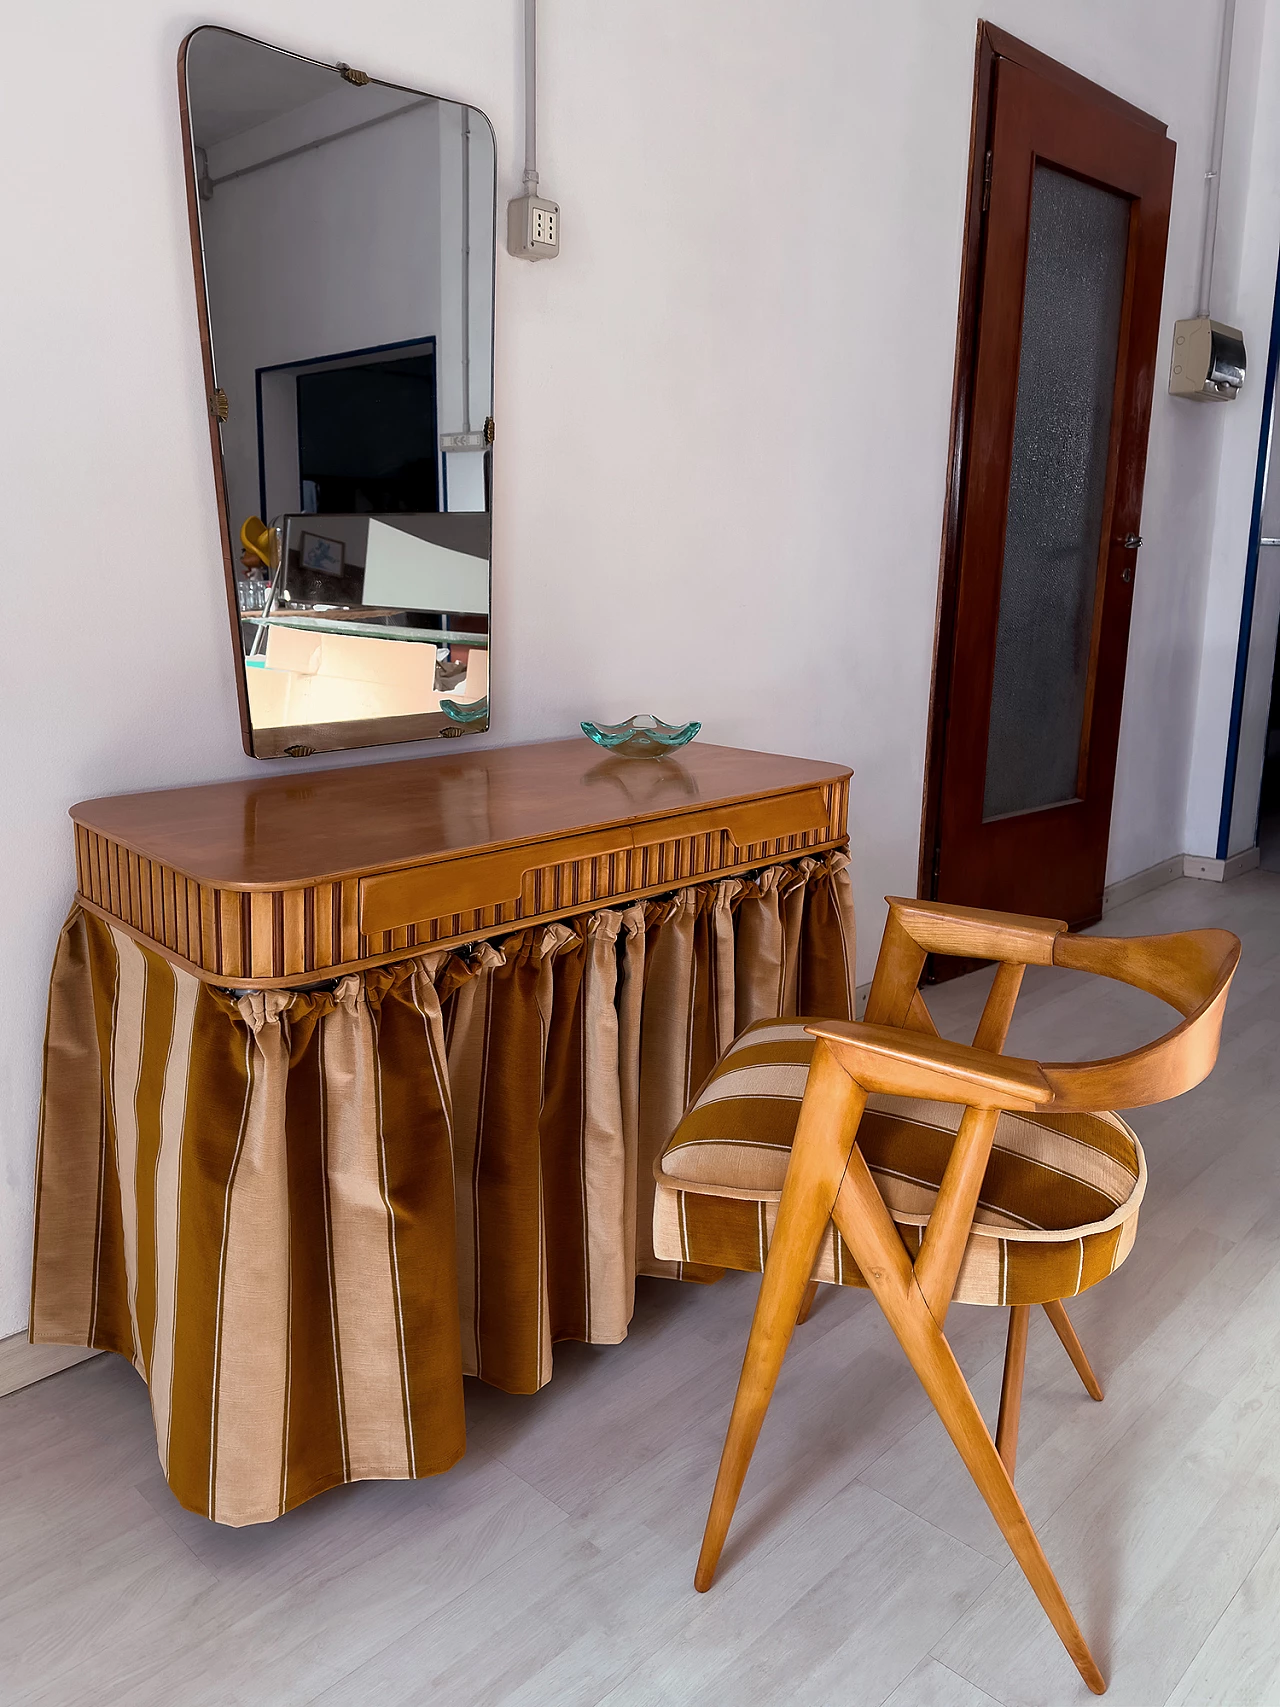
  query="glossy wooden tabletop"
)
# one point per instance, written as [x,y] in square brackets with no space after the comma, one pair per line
[302,828]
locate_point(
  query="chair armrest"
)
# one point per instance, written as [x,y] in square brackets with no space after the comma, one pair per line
[893,1062]
[938,927]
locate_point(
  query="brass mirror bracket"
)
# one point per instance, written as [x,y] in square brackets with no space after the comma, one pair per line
[349,72]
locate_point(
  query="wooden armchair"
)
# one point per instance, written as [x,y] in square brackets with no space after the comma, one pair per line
[878,1154]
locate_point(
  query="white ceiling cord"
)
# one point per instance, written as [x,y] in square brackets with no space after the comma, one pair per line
[533,224]
[531,96]
[1213,177]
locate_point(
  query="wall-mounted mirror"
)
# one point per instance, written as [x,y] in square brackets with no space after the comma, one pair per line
[343,232]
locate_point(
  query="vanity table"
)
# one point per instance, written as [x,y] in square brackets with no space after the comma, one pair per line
[354,1078]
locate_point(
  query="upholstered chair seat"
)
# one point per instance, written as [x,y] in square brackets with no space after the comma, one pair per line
[1057,1212]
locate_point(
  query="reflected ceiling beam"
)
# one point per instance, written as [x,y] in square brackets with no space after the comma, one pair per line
[211,184]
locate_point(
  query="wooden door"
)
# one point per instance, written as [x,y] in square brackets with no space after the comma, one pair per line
[1060,307]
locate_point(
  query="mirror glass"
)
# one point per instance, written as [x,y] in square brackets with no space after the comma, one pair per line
[343,231]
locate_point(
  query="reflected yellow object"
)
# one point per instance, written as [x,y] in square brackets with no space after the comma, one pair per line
[257,539]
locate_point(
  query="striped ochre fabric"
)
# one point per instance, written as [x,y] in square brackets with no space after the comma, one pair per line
[1057,1213]
[303,1215]
[713,960]
[572,1052]
[252,1201]
[541,1157]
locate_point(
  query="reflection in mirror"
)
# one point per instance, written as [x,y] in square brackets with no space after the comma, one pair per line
[344,242]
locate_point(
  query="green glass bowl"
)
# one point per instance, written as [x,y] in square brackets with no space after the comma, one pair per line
[470,711]
[644,736]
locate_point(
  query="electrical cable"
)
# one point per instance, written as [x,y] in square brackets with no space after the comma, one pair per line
[531,97]
[1213,176]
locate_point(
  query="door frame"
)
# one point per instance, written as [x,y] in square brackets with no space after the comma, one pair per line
[369,356]
[993,44]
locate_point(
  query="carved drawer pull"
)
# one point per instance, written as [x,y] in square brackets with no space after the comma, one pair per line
[393,899]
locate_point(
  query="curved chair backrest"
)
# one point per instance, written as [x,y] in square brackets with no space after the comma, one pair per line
[1190,970]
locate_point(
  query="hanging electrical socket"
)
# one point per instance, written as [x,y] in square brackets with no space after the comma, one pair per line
[533,229]
[1208,360]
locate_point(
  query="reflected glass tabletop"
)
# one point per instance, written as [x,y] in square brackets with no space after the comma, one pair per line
[370,630]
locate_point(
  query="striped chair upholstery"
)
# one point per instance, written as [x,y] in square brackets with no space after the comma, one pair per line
[1058,1209]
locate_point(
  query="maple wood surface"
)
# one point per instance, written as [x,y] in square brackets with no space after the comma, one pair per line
[317,825]
[893,1061]
[1074,1350]
[1015,1362]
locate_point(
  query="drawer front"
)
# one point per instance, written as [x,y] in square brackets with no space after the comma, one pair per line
[290,936]
[532,879]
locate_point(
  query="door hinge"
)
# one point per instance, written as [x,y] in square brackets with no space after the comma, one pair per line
[937,869]
[219,408]
[986,183]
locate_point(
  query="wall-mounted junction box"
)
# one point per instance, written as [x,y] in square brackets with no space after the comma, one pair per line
[1208,360]
[533,229]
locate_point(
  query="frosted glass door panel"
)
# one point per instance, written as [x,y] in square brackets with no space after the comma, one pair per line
[1077,253]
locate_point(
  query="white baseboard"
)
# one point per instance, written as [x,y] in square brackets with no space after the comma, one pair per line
[1142,882]
[1221,870]
[1178,865]
[21,1364]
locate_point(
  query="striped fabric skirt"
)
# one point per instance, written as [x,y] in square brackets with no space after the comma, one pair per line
[304,1215]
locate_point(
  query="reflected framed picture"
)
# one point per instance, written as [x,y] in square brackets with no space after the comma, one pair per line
[325,556]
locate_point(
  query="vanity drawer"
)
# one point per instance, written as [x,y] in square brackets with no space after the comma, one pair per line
[394,899]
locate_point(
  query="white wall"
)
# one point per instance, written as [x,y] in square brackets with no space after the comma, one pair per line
[722,413]
[1243,294]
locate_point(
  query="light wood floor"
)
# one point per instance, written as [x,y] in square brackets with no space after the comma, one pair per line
[555,1563]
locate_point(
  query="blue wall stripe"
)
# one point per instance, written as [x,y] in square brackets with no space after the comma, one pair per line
[1250,584]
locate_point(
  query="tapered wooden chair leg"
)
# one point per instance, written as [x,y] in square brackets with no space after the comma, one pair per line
[1015,1363]
[810,1293]
[941,1376]
[782,1292]
[1075,1351]
[942,1379]
[824,1139]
